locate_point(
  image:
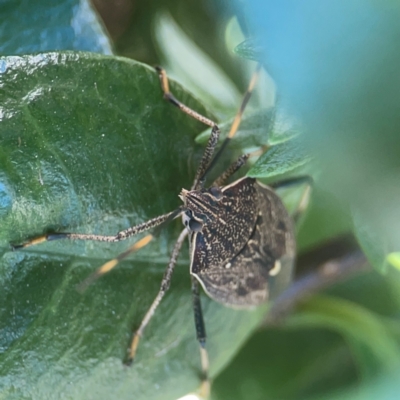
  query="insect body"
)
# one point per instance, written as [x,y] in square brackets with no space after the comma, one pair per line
[241,233]
[241,237]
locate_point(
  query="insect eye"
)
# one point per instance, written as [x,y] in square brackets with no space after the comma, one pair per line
[195,226]
[189,213]
[216,192]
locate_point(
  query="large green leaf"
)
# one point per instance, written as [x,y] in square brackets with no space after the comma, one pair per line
[45,25]
[87,144]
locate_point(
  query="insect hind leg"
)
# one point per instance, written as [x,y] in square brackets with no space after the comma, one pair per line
[201,337]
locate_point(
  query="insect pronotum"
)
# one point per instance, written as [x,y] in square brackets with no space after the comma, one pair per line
[241,236]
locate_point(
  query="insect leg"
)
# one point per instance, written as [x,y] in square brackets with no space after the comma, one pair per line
[109,265]
[163,288]
[236,122]
[122,235]
[246,98]
[212,141]
[173,100]
[305,198]
[235,166]
[201,337]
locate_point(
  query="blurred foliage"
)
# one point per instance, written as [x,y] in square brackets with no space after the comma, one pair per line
[29,27]
[87,144]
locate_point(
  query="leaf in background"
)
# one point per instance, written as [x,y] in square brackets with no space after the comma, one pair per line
[310,360]
[283,363]
[325,219]
[254,131]
[87,144]
[44,25]
[266,127]
[280,159]
[373,346]
[394,259]
[195,68]
[250,49]
[384,387]
[374,246]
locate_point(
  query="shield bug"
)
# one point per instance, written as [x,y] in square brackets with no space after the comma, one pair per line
[240,235]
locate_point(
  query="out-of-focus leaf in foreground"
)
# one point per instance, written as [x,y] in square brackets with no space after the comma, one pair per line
[335,65]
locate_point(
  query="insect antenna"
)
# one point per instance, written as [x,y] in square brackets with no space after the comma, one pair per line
[212,141]
[207,161]
[233,130]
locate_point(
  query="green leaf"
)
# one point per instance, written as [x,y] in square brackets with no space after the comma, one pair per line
[375,246]
[280,159]
[313,360]
[87,144]
[394,259]
[270,127]
[373,346]
[254,131]
[262,127]
[193,67]
[282,363]
[250,49]
[44,25]
[384,387]
[325,219]
[343,85]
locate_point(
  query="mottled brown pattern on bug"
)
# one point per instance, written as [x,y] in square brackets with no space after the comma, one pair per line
[232,262]
[227,222]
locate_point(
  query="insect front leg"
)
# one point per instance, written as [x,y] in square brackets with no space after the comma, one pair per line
[122,235]
[233,168]
[201,175]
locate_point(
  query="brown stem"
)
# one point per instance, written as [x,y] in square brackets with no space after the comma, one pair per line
[327,274]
